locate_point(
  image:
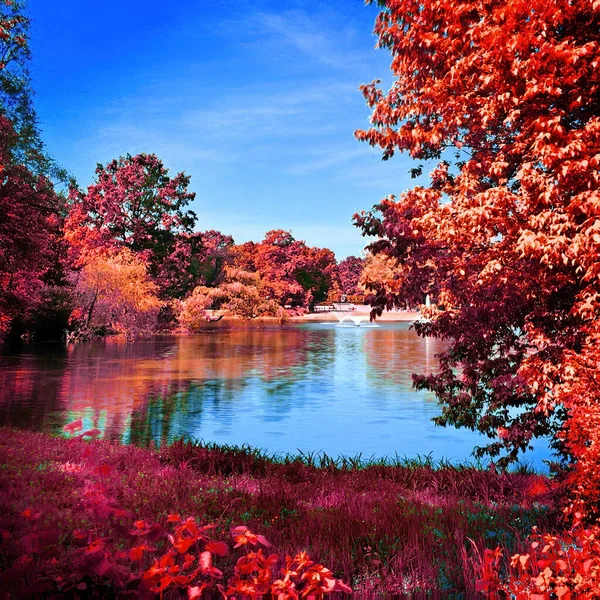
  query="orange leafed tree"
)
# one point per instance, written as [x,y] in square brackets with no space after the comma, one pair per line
[504,96]
[114,294]
[380,273]
[242,294]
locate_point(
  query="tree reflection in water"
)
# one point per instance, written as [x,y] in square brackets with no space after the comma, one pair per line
[341,390]
[400,346]
[147,382]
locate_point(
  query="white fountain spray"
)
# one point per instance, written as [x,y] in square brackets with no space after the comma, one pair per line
[355,319]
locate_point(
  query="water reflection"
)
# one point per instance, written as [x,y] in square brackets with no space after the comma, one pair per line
[395,346]
[314,388]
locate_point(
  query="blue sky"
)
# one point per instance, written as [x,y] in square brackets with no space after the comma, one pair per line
[256,100]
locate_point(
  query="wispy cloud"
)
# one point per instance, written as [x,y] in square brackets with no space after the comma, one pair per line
[328,159]
[259,108]
[282,110]
[382,177]
[313,37]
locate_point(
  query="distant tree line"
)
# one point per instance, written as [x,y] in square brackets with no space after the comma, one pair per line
[124,255]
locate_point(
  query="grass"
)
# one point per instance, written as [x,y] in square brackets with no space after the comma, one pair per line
[384,527]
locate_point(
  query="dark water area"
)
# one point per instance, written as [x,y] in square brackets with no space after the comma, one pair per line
[313,388]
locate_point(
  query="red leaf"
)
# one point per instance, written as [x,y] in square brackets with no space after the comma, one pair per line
[340,586]
[263,540]
[74,426]
[167,560]
[195,592]
[136,553]
[183,545]
[205,560]
[101,567]
[219,548]
[181,580]
[163,584]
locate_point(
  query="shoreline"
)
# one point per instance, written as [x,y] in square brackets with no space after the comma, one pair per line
[361,310]
[228,321]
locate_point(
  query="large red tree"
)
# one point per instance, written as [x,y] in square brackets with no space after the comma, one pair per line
[505,238]
[30,226]
[135,204]
[292,271]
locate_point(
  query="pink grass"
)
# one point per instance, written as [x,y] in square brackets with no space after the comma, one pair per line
[382,529]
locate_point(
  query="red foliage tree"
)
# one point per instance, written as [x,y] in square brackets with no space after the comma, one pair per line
[194,259]
[292,271]
[244,256]
[349,271]
[505,238]
[180,270]
[275,259]
[135,204]
[29,231]
[316,272]
[216,256]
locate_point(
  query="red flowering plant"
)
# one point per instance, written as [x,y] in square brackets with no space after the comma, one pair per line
[109,556]
[301,577]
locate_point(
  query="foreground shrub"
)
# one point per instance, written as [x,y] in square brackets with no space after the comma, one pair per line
[561,566]
[101,553]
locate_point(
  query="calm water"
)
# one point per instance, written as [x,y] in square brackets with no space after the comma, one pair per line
[340,390]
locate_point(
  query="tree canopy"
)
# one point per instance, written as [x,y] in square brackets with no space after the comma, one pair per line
[349,271]
[30,228]
[294,273]
[135,204]
[505,238]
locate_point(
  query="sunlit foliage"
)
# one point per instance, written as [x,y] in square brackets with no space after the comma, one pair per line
[242,294]
[505,237]
[114,294]
[294,274]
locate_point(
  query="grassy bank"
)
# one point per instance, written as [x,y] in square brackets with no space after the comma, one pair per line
[381,529]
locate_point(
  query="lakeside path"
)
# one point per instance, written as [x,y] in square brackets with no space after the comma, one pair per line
[361,310]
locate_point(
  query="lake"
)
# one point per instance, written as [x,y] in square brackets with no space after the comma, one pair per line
[314,388]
